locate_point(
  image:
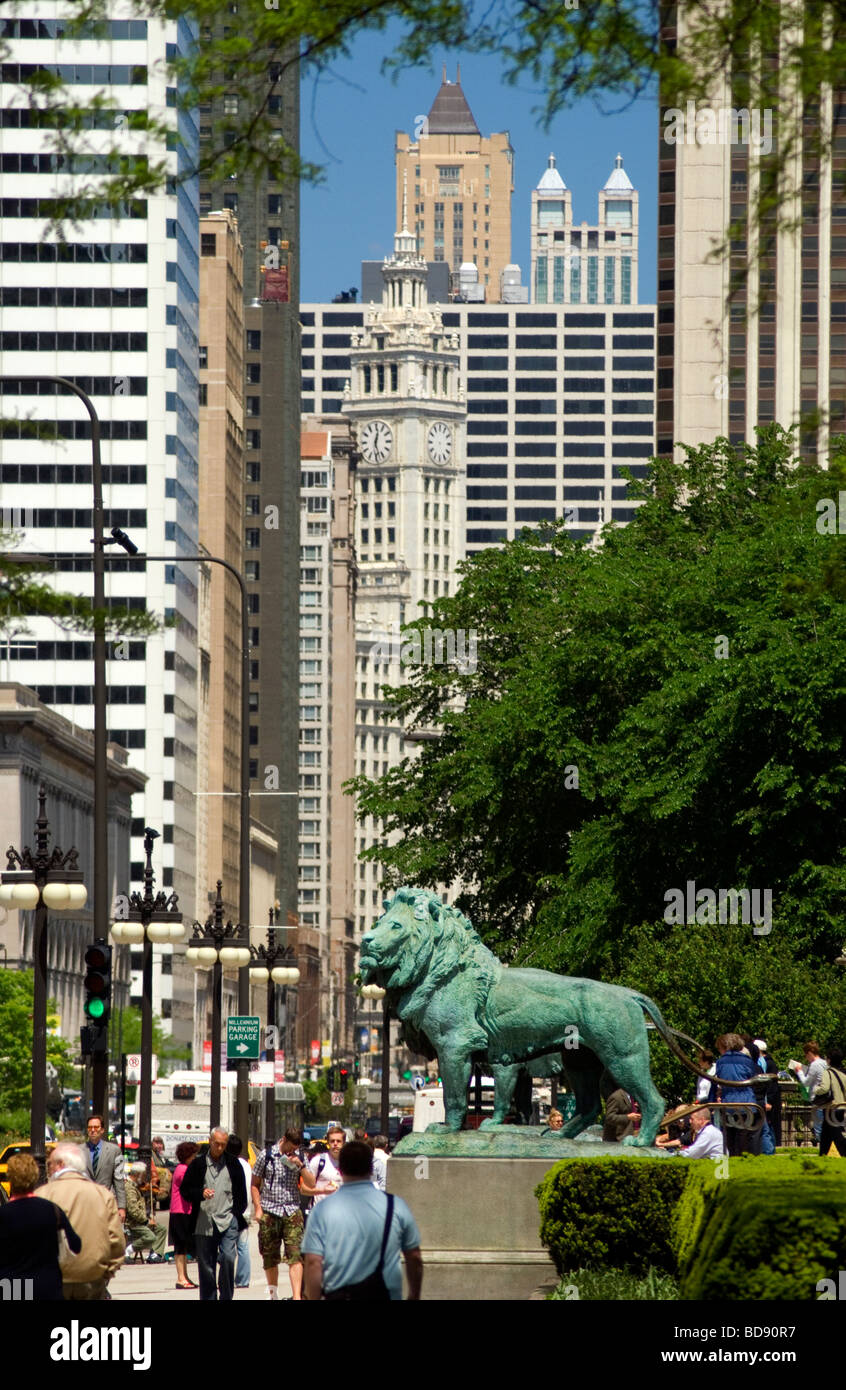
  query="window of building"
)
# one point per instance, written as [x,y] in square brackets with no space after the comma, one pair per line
[203,357]
[208,244]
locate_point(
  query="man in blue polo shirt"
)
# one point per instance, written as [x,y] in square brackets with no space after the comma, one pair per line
[344,1235]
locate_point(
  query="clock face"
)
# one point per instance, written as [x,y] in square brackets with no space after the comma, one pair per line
[376,441]
[440,443]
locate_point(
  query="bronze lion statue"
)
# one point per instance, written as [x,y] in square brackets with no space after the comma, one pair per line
[457,1001]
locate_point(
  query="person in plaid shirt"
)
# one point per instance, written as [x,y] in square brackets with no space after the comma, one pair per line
[276,1201]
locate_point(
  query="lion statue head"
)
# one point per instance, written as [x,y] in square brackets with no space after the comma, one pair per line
[419,943]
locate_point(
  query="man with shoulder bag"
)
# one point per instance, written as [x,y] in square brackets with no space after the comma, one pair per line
[354,1239]
[832,1091]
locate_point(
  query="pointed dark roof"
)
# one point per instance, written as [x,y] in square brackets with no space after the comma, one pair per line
[450,114]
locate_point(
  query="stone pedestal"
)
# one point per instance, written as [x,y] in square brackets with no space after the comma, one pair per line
[479,1225]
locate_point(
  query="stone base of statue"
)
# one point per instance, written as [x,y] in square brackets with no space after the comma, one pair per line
[473,1198]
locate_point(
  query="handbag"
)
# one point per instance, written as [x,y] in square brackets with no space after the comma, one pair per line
[373,1288]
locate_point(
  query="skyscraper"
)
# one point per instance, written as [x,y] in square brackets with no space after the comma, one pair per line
[738,347]
[459,186]
[268,213]
[585,264]
[114,308]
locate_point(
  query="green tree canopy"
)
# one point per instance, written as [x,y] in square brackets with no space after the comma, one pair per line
[689,675]
[169,1053]
[16,1006]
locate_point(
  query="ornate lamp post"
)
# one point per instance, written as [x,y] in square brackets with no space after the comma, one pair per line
[48,882]
[153,918]
[376,992]
[213,945]
[275,964]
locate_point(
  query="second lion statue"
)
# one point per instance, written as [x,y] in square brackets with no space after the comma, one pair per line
[457,1001]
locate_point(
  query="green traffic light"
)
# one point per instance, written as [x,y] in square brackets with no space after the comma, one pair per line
[96,1008]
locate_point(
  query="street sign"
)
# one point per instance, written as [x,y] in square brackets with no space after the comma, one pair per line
[315,1050]
[133,1068]
[242,1038]
[338,1098]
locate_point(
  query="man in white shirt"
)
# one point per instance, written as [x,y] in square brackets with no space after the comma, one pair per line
[810,1076]
[322,1176]
[709,1142]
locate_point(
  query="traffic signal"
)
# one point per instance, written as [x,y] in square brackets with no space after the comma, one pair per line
[98,985]
[344,1077]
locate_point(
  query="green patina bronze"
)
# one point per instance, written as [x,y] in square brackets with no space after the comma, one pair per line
[459,1003]
[512,1141]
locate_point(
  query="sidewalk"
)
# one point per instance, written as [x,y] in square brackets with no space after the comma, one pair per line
[137,1282]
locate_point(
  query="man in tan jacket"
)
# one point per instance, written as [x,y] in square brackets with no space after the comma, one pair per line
[93,1213]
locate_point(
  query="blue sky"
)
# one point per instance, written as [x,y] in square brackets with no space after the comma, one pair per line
[348,118]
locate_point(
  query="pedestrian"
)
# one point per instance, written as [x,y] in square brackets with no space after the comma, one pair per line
[703,1085]
[29,1235]
[809,1078]
[105,1163]
[160,1158]
[93,1212]
[620,1115]
[179,1227]
[276,1202]
[831,1091]
[144,1232]
[322,1174]
[380,1161]
[734,1064]
[214,1186]
[243,1270]
[352,1244]
[554,1121]
[707,1139]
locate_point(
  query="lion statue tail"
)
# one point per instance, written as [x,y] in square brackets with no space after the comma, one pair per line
[667,1034]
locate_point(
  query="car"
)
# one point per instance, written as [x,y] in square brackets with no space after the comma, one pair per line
[22,1146]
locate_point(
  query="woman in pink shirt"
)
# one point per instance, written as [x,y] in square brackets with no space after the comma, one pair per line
[179,1226]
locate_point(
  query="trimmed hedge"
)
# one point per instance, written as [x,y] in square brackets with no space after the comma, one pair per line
[601,1212]
[771,1230]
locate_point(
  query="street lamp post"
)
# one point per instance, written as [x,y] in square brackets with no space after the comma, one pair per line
[47,882]
[376,992]
[273,963]
[212,945]
[149,918]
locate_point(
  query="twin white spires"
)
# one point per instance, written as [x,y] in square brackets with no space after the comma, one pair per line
[552,184]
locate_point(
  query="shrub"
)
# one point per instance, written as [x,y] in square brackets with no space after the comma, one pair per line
[615,1285]
[771,1230]
[597,1212]
[14,1124]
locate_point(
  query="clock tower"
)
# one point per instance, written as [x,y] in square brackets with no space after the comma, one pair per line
[407,408]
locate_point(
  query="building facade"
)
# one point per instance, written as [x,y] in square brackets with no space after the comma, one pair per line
[584,264]
[38,747]
[221,503]
[559,402]
[113,307]
[268,213]
[738,349]
[459,185]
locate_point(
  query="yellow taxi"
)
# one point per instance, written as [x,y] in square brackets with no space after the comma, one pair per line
[21,1147]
